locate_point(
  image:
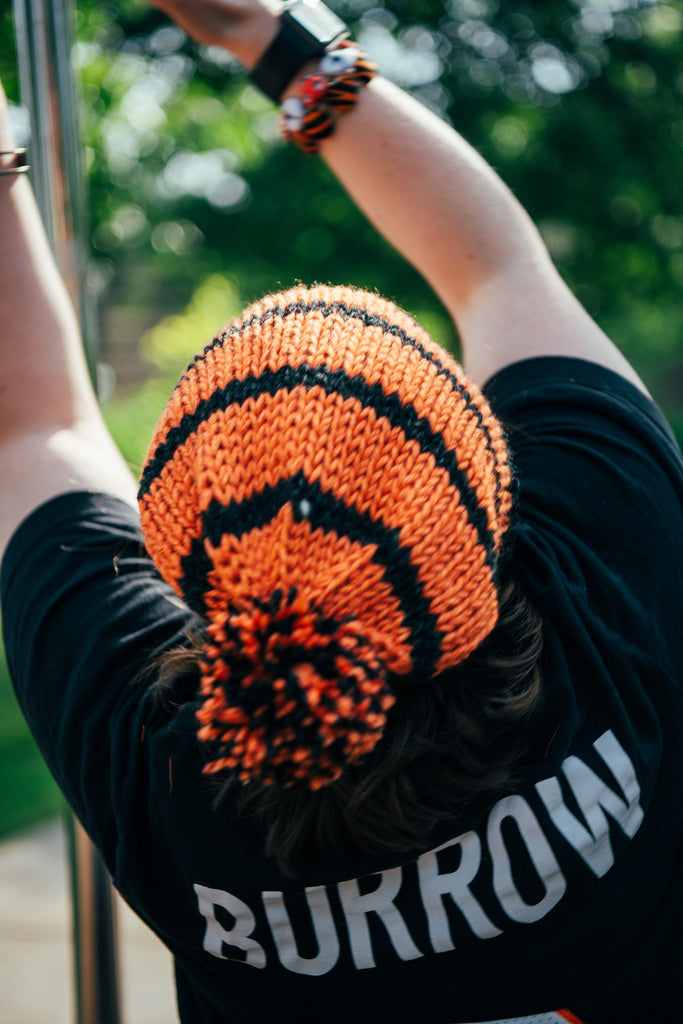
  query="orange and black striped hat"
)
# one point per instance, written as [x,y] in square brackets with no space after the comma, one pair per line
[329,491]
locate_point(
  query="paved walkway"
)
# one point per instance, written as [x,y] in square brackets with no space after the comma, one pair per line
[35,941]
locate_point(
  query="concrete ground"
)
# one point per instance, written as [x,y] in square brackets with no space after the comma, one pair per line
[35,941]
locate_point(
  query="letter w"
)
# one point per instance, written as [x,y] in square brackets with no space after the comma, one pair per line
[596,800]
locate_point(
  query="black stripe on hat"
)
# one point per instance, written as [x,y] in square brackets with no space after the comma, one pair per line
[369,320]
[388,406]
[323,511]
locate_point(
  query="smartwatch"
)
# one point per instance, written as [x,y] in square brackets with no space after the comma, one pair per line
[307,29]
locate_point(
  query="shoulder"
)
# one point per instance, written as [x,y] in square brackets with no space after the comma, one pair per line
[549,393]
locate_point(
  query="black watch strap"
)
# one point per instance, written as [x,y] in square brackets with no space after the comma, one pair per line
[307,30]
[286,55]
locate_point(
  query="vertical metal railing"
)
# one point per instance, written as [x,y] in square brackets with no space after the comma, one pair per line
[45,33]
[96,971]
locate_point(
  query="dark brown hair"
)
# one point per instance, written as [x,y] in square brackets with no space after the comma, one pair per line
[447,741]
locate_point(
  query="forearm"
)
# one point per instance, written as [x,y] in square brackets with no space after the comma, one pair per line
[42,367]
[430,194]
[447,211]
[438,202]
[52,436]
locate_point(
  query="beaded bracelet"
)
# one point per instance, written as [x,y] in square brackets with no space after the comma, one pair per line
[18,165]
[329,91]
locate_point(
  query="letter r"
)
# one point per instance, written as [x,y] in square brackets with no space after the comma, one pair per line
[435,886]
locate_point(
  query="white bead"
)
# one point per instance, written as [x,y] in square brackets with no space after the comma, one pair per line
[292,113]
[338,61]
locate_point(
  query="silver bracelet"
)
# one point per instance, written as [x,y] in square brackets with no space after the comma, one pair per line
[18,165]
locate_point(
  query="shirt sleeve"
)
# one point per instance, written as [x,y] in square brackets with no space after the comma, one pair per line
[600,496]
[84,613]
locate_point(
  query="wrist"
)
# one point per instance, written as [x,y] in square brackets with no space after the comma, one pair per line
[307,29]
[250,45]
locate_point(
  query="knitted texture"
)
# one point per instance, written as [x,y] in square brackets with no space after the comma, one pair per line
[329,491]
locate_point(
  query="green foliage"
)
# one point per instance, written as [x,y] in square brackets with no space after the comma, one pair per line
[131,417]
[168,348]
[176,339]
[576,104]
[28,793]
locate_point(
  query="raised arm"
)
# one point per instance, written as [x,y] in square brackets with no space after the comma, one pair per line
[52,437]
[422,185]
[439,204]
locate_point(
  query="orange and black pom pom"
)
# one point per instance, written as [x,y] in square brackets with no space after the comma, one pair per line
[289,694]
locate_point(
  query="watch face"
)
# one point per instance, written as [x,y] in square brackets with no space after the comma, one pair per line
[316,20]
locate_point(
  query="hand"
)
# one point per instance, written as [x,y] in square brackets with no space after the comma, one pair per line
[245,27]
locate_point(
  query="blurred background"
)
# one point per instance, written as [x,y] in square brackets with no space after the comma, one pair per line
[196,206]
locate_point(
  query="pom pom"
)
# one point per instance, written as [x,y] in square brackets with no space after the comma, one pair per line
[290,694]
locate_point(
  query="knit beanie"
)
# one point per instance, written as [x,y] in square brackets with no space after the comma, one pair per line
[330,493]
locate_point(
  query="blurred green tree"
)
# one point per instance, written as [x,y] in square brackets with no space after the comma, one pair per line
[576,102]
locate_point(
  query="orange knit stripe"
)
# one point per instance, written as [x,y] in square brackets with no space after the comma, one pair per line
[169,514]
[398,484]
[335,574]
[342,343]
[392,479]
[418,384]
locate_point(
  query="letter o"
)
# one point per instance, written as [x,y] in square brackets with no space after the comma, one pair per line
[540,854]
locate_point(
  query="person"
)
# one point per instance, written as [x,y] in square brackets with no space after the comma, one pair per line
[384,720]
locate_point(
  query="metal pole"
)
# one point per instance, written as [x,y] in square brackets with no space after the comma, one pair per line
[44,32]
[94,932]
